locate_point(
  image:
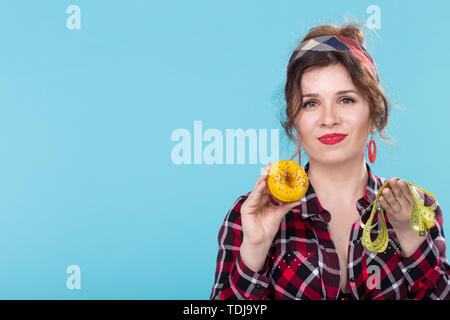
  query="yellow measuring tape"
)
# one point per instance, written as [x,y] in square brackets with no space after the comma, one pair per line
[422,219]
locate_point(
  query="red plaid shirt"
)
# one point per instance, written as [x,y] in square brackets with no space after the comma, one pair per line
[303,263]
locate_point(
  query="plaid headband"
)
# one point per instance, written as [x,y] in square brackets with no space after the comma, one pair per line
[335,43]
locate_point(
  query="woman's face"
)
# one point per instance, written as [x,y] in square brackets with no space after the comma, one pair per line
[325,109]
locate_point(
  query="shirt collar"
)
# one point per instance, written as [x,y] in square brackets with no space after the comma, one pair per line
[311,206]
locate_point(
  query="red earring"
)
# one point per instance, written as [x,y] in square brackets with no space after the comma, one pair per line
[299,155]
[372,153]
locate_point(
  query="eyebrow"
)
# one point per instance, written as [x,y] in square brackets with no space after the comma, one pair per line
[315,95]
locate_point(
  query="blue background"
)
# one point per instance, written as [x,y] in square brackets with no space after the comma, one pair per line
[86,118]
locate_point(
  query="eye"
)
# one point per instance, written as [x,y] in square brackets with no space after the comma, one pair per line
[307,104]
[348,99]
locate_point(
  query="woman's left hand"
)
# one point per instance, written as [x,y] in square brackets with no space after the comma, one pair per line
[397,201]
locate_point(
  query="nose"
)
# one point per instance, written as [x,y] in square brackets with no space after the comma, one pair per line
[329,116]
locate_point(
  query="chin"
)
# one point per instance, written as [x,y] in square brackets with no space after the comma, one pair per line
[332,157]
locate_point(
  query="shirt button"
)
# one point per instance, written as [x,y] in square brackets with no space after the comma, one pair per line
[355,241]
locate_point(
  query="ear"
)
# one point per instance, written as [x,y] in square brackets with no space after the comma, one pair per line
[371,128]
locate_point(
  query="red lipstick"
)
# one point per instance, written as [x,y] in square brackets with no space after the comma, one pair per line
[332,138]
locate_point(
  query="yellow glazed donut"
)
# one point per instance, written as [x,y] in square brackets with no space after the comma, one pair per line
[288,181]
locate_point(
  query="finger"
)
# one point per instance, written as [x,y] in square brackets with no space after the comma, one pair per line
[284,208]
[274,202]
[398,194]
[385,204]
[403,186]
[287,205]
[258,192]
[264,174]
[292,204]
[388,198]
[392,201]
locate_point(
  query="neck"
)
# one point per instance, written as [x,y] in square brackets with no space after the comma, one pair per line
[338,183]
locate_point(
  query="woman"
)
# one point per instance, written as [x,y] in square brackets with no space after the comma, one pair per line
[311,249]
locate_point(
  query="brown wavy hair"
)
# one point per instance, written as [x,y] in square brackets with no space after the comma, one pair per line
[362,79]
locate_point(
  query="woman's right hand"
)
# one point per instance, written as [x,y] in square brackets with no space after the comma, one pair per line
[260,217]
